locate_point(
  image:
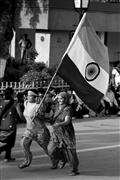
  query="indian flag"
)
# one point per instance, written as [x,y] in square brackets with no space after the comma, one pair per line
[85,65]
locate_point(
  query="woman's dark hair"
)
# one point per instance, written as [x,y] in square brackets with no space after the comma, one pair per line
[20,95]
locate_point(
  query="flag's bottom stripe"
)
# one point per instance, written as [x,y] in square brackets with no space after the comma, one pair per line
[88,94]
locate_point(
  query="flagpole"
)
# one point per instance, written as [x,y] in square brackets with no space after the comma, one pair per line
[60,63]
[47,89]
[81,19]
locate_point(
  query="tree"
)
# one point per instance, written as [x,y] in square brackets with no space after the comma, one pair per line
[36,72]
[14,70]
[8,9]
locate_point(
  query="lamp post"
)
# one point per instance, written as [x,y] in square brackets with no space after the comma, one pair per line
[81,6]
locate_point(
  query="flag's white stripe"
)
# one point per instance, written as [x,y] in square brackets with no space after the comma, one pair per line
[81,58]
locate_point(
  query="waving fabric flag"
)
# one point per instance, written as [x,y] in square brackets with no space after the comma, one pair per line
[85,65]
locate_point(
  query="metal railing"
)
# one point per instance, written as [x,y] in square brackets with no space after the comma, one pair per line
[21,86]
[106,1]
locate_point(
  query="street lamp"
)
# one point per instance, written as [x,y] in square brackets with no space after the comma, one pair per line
[81,6]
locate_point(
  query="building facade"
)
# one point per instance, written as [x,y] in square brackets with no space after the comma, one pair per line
[51,23]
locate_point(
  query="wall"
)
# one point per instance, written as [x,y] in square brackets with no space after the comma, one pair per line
[105,22]
[113,40]
[62,19]
[42,46]
[58,45]
[104,16]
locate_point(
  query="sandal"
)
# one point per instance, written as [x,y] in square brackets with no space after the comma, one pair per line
[62,164]
[74,173]
[23,165]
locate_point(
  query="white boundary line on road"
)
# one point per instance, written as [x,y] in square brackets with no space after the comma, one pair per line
[80,150]
[101,133]
[98,148]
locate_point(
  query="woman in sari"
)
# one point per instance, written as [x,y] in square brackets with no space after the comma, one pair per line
[63,134]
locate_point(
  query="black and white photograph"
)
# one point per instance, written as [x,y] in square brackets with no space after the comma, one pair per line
[59,89]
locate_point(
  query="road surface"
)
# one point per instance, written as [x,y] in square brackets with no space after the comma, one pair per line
[98,147]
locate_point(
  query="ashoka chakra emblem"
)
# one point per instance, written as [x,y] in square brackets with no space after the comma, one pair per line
[92,71]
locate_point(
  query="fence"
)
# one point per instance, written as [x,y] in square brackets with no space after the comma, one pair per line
[20,86]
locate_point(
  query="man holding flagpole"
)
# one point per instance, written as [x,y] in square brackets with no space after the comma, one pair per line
[85,65]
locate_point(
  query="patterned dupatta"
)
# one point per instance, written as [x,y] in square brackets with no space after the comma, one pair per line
[59,111]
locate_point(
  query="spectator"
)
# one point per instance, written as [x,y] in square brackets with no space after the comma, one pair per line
[110,102]
[74,105]
[8,123]
[81,110]
[116,75]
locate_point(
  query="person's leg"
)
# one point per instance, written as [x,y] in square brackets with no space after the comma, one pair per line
[10,144]
[26,143]
[8,155]
[43,145]
[63,157]
[53,153]
[3,148]
[43,139]
[74,161]
[107,108]
[7,147]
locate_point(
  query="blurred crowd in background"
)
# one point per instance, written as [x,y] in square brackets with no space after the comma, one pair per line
[109,105]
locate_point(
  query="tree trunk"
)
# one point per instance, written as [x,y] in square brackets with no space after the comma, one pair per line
[6,29]
[2,67]
[6,33]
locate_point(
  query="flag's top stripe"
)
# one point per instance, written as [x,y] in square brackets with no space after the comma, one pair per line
[98,51]
[80,57]
[93,45]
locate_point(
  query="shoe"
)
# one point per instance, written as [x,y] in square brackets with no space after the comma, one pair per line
[118,114]
[9,160]
[62,164]
[74,173]
[54,166]
[23,165]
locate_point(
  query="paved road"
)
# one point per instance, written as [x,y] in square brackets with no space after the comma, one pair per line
[98,147]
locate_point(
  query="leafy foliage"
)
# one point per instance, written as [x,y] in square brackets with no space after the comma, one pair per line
[31,7]
[8,10]
[30,76]
[36,72]
[13,70]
